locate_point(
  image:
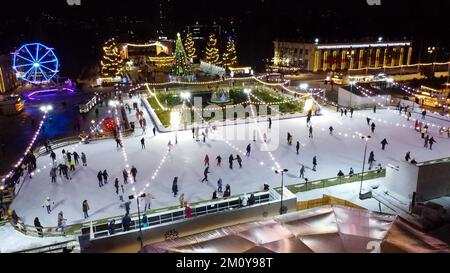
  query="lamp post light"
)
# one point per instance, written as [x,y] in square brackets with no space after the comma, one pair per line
[351,91]
[140,238]
[283,209]
[366,138]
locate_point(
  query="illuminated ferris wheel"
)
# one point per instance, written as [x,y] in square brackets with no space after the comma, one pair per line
[35,63]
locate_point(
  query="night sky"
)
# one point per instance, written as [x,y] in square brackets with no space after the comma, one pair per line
[77,32]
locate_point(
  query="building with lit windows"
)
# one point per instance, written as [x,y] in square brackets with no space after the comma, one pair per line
[317,57]
[8,79]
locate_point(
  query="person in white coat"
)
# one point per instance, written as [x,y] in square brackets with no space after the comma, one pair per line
[47,204]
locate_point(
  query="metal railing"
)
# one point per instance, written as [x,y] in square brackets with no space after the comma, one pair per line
[334,181]
[173,215]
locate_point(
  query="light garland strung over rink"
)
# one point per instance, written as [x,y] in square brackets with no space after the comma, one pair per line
[29,147]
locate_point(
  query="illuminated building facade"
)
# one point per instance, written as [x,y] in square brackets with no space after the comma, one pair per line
[8,79]
[316,57]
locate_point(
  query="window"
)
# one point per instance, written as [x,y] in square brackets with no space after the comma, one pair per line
[306,51]
[301,50]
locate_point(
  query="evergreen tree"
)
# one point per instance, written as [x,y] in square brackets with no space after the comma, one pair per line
[230,56]
[111,63]
[181,65]
[190,47]
[212,55]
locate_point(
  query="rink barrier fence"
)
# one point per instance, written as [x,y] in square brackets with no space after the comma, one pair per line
[101,228]
[325,200]
[61,247]
[334,181]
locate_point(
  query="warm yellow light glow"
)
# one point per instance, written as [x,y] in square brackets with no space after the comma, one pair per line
[308,104]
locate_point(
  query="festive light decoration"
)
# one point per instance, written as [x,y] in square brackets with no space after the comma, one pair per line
[181,65]
[35,63]
[111,63]
[190,47]
[230,56]
[212,55]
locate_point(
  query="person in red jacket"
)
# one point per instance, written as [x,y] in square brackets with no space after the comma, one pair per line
[188,210]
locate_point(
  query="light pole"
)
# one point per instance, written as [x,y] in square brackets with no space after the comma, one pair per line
[282,208]
[364,164]
[351,91]
[140,238]
[45,109]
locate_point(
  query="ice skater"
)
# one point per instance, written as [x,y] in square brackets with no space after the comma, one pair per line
[248,150]
[205,174]
[175,186]
[383,144]
[100,179]
[314,163]
[219,161]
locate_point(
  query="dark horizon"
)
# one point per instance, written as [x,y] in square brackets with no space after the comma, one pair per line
[77,32]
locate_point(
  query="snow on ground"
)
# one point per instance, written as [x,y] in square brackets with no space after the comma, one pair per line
[157,167]
[12,240]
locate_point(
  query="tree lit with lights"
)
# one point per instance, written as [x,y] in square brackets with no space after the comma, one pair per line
[190,47]
[230,56]
[181,65]
[212,55]
[111,63]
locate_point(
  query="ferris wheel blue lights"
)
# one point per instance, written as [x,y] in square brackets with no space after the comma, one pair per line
[35,63]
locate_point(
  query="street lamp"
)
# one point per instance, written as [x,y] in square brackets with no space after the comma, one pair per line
[366,138]
[140,238]
[283,209]
[46,108]
[351,91]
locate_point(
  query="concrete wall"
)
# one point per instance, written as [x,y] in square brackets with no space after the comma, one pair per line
[433,181]
[127,242]
[348,99]
[402,180]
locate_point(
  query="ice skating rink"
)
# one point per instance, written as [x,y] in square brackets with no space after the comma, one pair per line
[157,167]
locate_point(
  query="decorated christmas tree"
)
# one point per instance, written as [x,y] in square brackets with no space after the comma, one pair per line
[111,63]
[190,47]
[181,65]
[230,56]
[212,55]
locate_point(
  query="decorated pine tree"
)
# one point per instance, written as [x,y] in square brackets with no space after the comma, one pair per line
[230,56]
[212,55]
[190,47]
[111,63]
[181,65]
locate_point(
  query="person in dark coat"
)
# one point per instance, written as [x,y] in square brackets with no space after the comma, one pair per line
[105,176]
[431,142]
[205,173]
[214,195]
[239,160]
[112,227]
[314,163]
[76,157]
[38,226]
[100,179]
[126,222]
[85,207]
[125,176]
[408,156]
[116,185]
[53,156]
[297,147]
[230,160]
[340,174]
[373,127]
[383,144]
[368,120]
[134,173]
[248,149]
[251,200]
[219,160]
[175,186]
